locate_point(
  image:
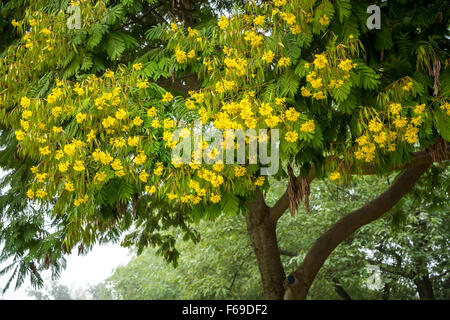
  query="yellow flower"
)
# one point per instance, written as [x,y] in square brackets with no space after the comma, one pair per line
[260,181]
[78,90]
[44,151]
[25,102]
[140,158]
[292,114]
[172,196]
[80,117]
[63,166]
[254,39]
[173,27]
[259,21]
[239,171]
[151,189]
[215,198]
[395,108]
[279,3]
[30,194]
[69,186]
[26,114]
[375,125]
[142,84]
[159,169]
[296,29]
[168,123]
[446,107]
[308,126]
[346,65]
[78,166]
[20,135]
[289,18]
[137,66]
[419,108]
[320,61]
[284,62]
[180,56]
[15,23]
[223,23]
[59,154]
[319,95]
[137,121]
[268,56]
[41,193]
[272,121]
[408,86]
[191,54]
[41,177]
[109,74]
[335,175]
[324,20]
[192,32]
[151,112]
[306,92]
[411,134]
[143,176]
[133,141]
[155,123]
[121,114]
[190,104]
[291,136]
[380,138]
[167,97]
[416,120]
[400,122]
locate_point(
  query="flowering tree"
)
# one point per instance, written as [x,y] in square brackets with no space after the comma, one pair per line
[344,99]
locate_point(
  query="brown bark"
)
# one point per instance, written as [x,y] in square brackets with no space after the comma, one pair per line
[262,231]
[424,288]
[298,283]
[340,290]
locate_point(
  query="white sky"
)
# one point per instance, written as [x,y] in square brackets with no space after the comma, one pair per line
[81,271]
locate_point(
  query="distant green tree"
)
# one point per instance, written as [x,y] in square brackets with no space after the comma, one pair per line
[56,291]
[221,266]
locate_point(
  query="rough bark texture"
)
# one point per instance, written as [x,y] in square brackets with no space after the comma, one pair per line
[262,231]
[298,283]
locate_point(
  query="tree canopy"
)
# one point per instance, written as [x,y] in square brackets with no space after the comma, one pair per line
[88,117]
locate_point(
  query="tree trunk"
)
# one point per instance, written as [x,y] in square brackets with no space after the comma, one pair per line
[424,288]
[262,231]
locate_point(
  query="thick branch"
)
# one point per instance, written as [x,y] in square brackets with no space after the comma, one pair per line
[288,253]
[340,290]
[420,158]
[299,282]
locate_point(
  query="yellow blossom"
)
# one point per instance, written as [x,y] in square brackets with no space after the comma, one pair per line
[291,136]
[167,97]
[223,23]
[308,126]
[335,175]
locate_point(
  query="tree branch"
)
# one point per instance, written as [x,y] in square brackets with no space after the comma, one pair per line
[420,158]
[340,290]
[298,283]
[288,253]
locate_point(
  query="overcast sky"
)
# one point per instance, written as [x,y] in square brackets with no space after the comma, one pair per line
[81,271]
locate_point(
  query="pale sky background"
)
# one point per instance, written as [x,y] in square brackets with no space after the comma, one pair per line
[81,271]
